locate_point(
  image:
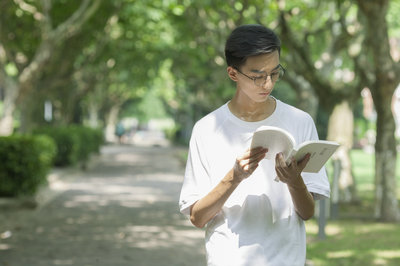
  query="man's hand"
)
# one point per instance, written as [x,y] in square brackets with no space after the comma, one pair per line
[290,174]
[245,165]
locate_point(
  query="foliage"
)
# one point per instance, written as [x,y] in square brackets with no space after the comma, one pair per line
[26,161]
[74,143]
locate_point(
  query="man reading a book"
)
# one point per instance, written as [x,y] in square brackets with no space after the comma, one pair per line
[250,218]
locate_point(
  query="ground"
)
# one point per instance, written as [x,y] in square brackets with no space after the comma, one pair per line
[123,210]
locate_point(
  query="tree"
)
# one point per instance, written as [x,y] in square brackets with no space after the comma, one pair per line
[29,62]
[382,75]
[316,38]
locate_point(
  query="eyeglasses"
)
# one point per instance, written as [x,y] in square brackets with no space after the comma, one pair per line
[275,76]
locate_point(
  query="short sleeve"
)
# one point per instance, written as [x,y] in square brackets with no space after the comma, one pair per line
[317,183]
[196,181]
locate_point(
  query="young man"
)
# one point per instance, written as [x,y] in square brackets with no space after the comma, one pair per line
[251,219]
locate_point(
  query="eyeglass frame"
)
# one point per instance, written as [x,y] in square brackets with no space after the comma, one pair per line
[280,67]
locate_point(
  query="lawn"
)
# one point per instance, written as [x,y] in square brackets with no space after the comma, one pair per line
[355,238]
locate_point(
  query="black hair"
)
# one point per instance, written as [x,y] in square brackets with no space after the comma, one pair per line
[250,40]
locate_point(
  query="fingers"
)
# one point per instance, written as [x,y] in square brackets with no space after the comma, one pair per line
[303,162]
[246,164]
[289,172]
[252,157]
[279,160]
[281,168]
[253,152]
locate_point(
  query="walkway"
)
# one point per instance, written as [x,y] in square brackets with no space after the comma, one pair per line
[122,211]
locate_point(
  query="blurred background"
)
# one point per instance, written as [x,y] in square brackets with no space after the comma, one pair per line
[143,72]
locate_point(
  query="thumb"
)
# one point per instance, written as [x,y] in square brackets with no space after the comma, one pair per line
[303,162]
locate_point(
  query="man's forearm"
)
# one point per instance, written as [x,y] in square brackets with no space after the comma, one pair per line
[303,200]
[206,208]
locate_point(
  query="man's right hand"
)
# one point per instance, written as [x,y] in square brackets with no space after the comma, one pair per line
[246,164]
[207,207]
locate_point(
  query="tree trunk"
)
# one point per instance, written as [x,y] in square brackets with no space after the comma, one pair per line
[386,204]
[10,98]
[340,129]
[93,111]
[111,122]
[385,80]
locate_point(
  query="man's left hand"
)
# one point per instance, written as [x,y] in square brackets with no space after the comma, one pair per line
[290,173]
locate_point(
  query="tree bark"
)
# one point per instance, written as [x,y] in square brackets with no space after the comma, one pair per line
[386,204]
[93,111]
[340,129]
[386,76]
[111,122]
[10,98]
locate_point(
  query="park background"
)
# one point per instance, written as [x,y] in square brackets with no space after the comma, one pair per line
[77,70]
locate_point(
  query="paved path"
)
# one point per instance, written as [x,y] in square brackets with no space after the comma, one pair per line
[122,211]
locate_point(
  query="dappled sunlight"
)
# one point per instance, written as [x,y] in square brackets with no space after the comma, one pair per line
[63,262]
[153,237]
[128,196]
[387,254]
[330,229]
[373,227]
[311,227]
[340,254]
[379,261]
[121,211]
[4,247]
[80,220]
[129,158]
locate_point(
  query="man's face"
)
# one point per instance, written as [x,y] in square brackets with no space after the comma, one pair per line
[257,67]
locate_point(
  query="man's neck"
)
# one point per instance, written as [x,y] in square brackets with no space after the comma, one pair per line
[252,111]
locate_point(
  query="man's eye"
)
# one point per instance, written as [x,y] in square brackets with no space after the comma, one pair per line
[275,74]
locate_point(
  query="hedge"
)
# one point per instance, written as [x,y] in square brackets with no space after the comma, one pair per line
[74,143]
[25,163]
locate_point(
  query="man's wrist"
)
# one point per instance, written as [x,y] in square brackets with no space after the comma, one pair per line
[233,178]
[298,184]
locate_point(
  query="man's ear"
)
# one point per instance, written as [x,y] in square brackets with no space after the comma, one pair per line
[232,73]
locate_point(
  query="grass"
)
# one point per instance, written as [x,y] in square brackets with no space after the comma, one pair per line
[356,238]
[354,242]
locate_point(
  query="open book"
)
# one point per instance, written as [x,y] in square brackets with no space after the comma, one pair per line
[278,140]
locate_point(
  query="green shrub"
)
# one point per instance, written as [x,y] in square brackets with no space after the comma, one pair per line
[74,143]
[90,140]
[25,162]
[67,144]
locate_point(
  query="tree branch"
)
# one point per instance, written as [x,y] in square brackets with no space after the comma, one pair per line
[46,23]
[28,8]
[74,23]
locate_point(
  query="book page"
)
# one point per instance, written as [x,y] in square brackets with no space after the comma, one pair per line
[320,151]
[274,139]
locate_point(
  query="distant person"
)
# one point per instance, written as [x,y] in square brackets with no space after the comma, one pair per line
[119,132]
[251,219]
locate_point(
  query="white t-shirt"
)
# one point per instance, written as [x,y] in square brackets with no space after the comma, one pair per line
[258,224]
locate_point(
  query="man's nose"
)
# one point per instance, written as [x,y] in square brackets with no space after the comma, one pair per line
[268,83]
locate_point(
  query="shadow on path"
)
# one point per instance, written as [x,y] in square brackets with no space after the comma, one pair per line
[122,211]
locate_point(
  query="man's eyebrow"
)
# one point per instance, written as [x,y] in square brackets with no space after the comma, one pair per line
[262,72]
